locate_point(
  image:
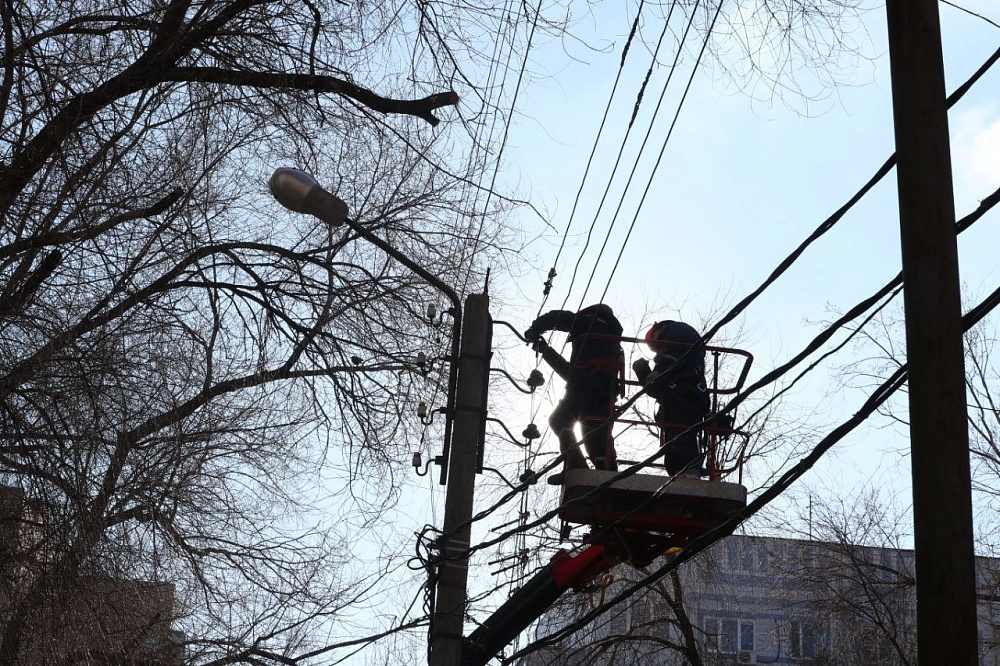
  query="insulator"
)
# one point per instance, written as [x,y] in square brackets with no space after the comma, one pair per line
[422,410]
[431,311]
[421,359]
[535,379]
[417,460]
[529,477]
[531,432]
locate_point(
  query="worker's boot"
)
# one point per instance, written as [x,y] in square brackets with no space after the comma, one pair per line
[574,460]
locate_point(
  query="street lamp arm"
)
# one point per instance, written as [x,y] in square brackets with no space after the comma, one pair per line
[298,191]
[409,263]
[456,329]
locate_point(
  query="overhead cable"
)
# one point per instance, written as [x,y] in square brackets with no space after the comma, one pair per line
[624,141]
[659,158]
[590,159]
[698,545]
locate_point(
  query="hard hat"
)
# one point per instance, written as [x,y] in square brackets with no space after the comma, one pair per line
[653,335]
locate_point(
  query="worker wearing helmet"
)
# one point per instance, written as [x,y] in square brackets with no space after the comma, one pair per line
[677,382]
[592,382]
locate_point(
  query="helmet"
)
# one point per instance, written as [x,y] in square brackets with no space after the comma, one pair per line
[653,335]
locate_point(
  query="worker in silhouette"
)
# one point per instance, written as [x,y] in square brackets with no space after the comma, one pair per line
[593,382]
[677,383]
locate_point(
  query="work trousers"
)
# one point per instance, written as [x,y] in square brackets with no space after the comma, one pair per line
[591,404]
[680,407]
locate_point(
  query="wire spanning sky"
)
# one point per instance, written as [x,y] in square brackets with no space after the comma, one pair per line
[731,182]
[742,183]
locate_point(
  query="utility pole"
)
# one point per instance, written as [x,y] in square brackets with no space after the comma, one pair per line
[939,438]
[465,421]
[470,410]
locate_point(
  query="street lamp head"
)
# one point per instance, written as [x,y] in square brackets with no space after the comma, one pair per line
[300,192]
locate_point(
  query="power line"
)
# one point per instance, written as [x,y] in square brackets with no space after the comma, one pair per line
[701,543]
[621,150]
[969,11]
[503,141]
[593,151]
[659,158]
[624,141]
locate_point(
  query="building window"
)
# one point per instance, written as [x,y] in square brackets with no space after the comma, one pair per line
[808,641]
[746,636]
[729,635]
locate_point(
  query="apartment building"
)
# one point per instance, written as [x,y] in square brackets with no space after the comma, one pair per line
[764,600]
[87,620]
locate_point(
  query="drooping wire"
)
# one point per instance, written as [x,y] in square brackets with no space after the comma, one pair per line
[621,149]
[659,158]
[590,159]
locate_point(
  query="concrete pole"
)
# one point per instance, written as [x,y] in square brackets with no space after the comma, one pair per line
[939,439]
[470,410]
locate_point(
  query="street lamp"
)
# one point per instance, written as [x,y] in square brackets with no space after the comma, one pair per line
[298,191]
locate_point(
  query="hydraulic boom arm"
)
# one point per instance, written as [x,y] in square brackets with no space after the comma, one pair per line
[563,572]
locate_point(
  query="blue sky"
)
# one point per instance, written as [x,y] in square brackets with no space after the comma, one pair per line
[742,182]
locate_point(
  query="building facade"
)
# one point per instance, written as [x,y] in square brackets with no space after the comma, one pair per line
[88,619]
[763,600]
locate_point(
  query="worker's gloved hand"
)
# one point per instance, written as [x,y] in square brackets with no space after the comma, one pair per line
[641,369]
[532,335]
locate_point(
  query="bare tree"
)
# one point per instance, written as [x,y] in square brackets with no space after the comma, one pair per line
[857,580]
[880,350]
[191,378]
